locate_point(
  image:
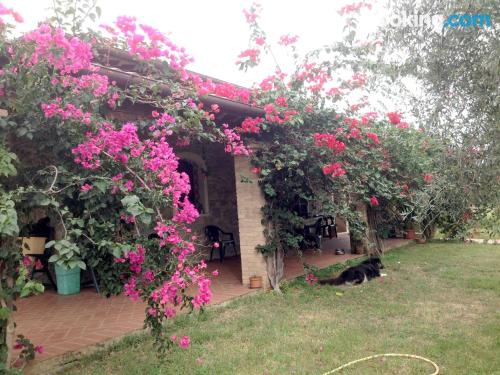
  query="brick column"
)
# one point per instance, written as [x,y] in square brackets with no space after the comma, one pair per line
[249,199]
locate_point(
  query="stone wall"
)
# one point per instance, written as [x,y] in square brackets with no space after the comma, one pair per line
[220,200]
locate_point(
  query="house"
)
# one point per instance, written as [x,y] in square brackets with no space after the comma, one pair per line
[224,189]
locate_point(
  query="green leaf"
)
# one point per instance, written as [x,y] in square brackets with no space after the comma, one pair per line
[130,199]
[4,313]
[101,185]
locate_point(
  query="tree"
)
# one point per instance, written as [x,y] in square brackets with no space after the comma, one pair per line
[454,76]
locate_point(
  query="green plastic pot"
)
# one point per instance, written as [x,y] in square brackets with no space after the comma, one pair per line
[68,280]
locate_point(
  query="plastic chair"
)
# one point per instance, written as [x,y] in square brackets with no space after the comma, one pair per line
[329,227]
[314,232]
[216,235]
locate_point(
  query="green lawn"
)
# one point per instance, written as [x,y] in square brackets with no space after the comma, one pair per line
[440,300]
[482,233]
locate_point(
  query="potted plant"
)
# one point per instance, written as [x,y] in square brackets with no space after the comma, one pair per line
[34,235]
[420,239]
[409,231]
[255,282]
[33,245]
[68,263]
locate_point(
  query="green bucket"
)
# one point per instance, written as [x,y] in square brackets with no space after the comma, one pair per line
[68,281]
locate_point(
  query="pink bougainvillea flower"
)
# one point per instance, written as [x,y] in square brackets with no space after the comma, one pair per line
[334,169]
[65,53]
[152,311]
[6,11]
[215,273]
[260,41]
[38,264]
[251,125]
[374,201]
[234,143]
[281,101]
[286,40]
[354,7]
[251,15]
[216,245]
[358,80]
[129,219]
[86,187]
[251,53]
[311,279]
[269,108]
[184,342]
[394,118]
[256,170]
[428,178]
[129,185]
[18,345]
[39,349]
[173,338]
[373,137]
[27,261]
[330,141]
[170,312]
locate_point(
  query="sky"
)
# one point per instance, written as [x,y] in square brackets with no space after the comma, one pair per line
[215,32]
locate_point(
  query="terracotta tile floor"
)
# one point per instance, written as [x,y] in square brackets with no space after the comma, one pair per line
[65,324]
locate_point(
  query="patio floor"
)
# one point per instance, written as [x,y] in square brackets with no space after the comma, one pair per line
[65,324]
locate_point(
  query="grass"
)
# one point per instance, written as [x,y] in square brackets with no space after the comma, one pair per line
[440,300]
[484,234]
[477,233]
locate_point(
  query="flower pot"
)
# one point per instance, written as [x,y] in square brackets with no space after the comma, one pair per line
[33,245]
[68,280]
[255,282]
[410,234]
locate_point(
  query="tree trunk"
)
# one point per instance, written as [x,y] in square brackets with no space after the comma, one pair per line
[376,244]
[10,335]
[8,329]
[358,246]
[275,268]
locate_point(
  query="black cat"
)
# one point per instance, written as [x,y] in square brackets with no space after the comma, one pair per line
[364,271]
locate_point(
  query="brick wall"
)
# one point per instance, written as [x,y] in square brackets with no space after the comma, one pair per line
[250,200]
[341,224]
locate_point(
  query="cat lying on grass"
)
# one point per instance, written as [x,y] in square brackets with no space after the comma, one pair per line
[364,271]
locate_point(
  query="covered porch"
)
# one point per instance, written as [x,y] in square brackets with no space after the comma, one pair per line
[228,195]
[71,324]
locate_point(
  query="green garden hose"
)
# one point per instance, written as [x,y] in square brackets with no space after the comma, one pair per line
[436,367]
